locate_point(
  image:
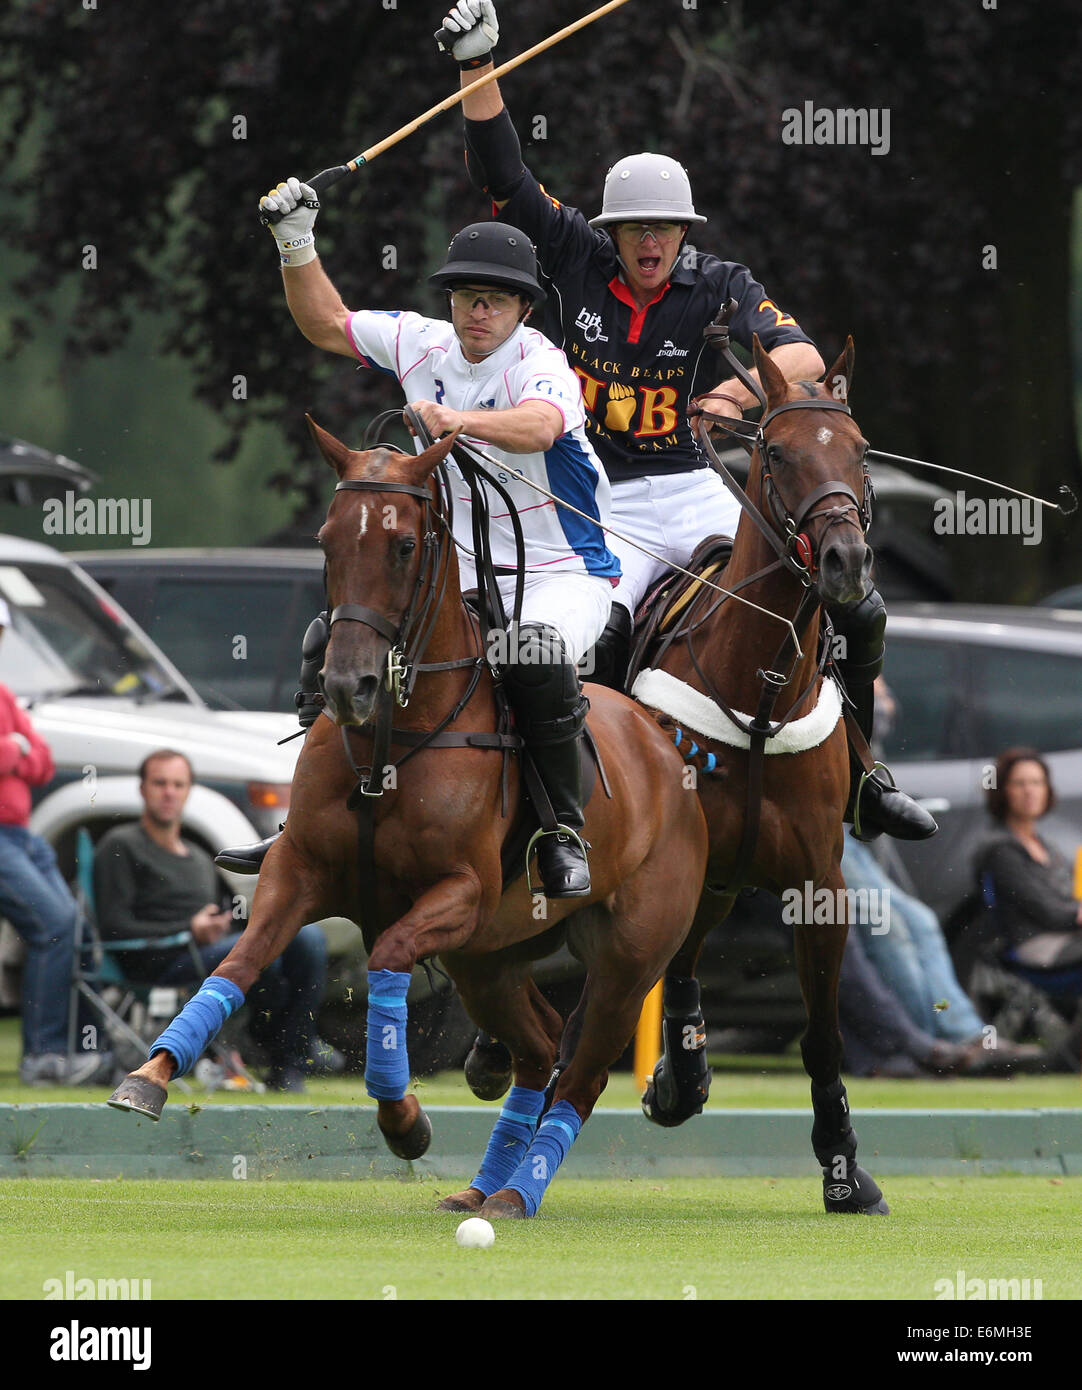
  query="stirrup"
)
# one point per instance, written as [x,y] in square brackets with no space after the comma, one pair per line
[559,829]
[868,773]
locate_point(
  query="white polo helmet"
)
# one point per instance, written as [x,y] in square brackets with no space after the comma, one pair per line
[646,188]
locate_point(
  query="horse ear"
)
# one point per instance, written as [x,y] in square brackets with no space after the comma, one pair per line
[420,467]
[333,450]
[770,375]
[839,379]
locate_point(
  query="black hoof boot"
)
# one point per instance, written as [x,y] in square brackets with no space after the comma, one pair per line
[246,859]
[857,1193]
[681,1081]
[488,1068]
[846,1186]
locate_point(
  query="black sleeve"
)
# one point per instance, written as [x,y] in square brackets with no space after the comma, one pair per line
[1027,890]
[116,893]
[494,155]
[758,313]
[564,239]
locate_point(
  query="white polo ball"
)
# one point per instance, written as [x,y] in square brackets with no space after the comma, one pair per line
[475,1233]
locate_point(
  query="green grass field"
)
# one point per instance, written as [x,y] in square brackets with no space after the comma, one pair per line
[733,1238]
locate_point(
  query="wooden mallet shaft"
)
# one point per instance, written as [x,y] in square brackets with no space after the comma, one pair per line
[326,177]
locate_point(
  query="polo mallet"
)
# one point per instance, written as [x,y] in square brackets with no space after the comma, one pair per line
[446,38]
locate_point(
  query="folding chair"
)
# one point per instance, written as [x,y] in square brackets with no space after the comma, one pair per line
[98,971]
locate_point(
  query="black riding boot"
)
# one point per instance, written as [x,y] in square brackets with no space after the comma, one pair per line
[248,859]
[550,710]
[882,807]
[607,663]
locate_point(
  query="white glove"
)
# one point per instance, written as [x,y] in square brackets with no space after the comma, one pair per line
[476,21]
[294,235]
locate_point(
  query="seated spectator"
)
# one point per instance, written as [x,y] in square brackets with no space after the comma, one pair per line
[38,904]
[1037,914]
[151,881]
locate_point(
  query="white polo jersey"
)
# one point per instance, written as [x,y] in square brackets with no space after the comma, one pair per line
[426,357]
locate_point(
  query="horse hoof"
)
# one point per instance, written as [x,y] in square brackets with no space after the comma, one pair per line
[496,1209]
[673,1115]
[857,1194]
[488,1068]
[470,1200]
[414,1142]
[138,1094]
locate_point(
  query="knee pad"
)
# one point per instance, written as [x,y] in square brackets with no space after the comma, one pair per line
[544,686]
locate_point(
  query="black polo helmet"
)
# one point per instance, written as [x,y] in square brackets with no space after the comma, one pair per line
[491,253]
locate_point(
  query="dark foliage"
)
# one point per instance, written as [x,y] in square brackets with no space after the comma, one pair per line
[129,110]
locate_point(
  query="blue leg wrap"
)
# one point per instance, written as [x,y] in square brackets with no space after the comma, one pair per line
[386,1066]
[510,1138]
[199,1022]
[555,1135]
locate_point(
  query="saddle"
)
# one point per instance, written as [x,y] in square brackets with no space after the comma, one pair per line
[657,617]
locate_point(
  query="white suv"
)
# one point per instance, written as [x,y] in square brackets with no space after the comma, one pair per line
[103,697]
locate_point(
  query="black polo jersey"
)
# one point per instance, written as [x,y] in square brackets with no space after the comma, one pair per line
[638,368]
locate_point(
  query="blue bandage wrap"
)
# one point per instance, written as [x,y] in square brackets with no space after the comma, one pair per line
[510,1138]
[199,1022]
[386,1066]
[555,1135]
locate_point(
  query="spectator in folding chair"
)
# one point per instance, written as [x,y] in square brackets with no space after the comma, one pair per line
[39,905]
[150,881]
[1029,881]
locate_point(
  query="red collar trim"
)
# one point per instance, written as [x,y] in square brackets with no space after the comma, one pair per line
[638,316]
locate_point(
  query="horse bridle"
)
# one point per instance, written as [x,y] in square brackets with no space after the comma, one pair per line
[792,524]
[402,664]
[787,536]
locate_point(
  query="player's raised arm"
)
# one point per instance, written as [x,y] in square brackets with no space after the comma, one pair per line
[313,301]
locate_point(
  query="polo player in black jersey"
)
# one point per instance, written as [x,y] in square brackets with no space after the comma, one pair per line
[628,300]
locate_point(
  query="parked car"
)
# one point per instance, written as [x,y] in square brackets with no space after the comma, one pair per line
[1071,597]
[969,681]
[232,620]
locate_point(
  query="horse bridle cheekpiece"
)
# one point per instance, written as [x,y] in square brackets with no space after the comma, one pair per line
[400,674]
[792,525]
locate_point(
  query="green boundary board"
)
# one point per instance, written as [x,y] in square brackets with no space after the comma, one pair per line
[296,1141]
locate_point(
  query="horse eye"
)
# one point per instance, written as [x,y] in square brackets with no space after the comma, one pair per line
[407,547]
[773,455]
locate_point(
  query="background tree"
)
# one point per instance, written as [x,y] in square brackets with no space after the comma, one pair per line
[148,132]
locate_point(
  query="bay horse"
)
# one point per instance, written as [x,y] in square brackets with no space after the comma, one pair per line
[775,821]
[431,881]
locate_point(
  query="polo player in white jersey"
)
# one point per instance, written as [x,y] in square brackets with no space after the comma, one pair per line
[504,385]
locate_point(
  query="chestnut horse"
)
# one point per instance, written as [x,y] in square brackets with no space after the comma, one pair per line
[775,817]
[439,823]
